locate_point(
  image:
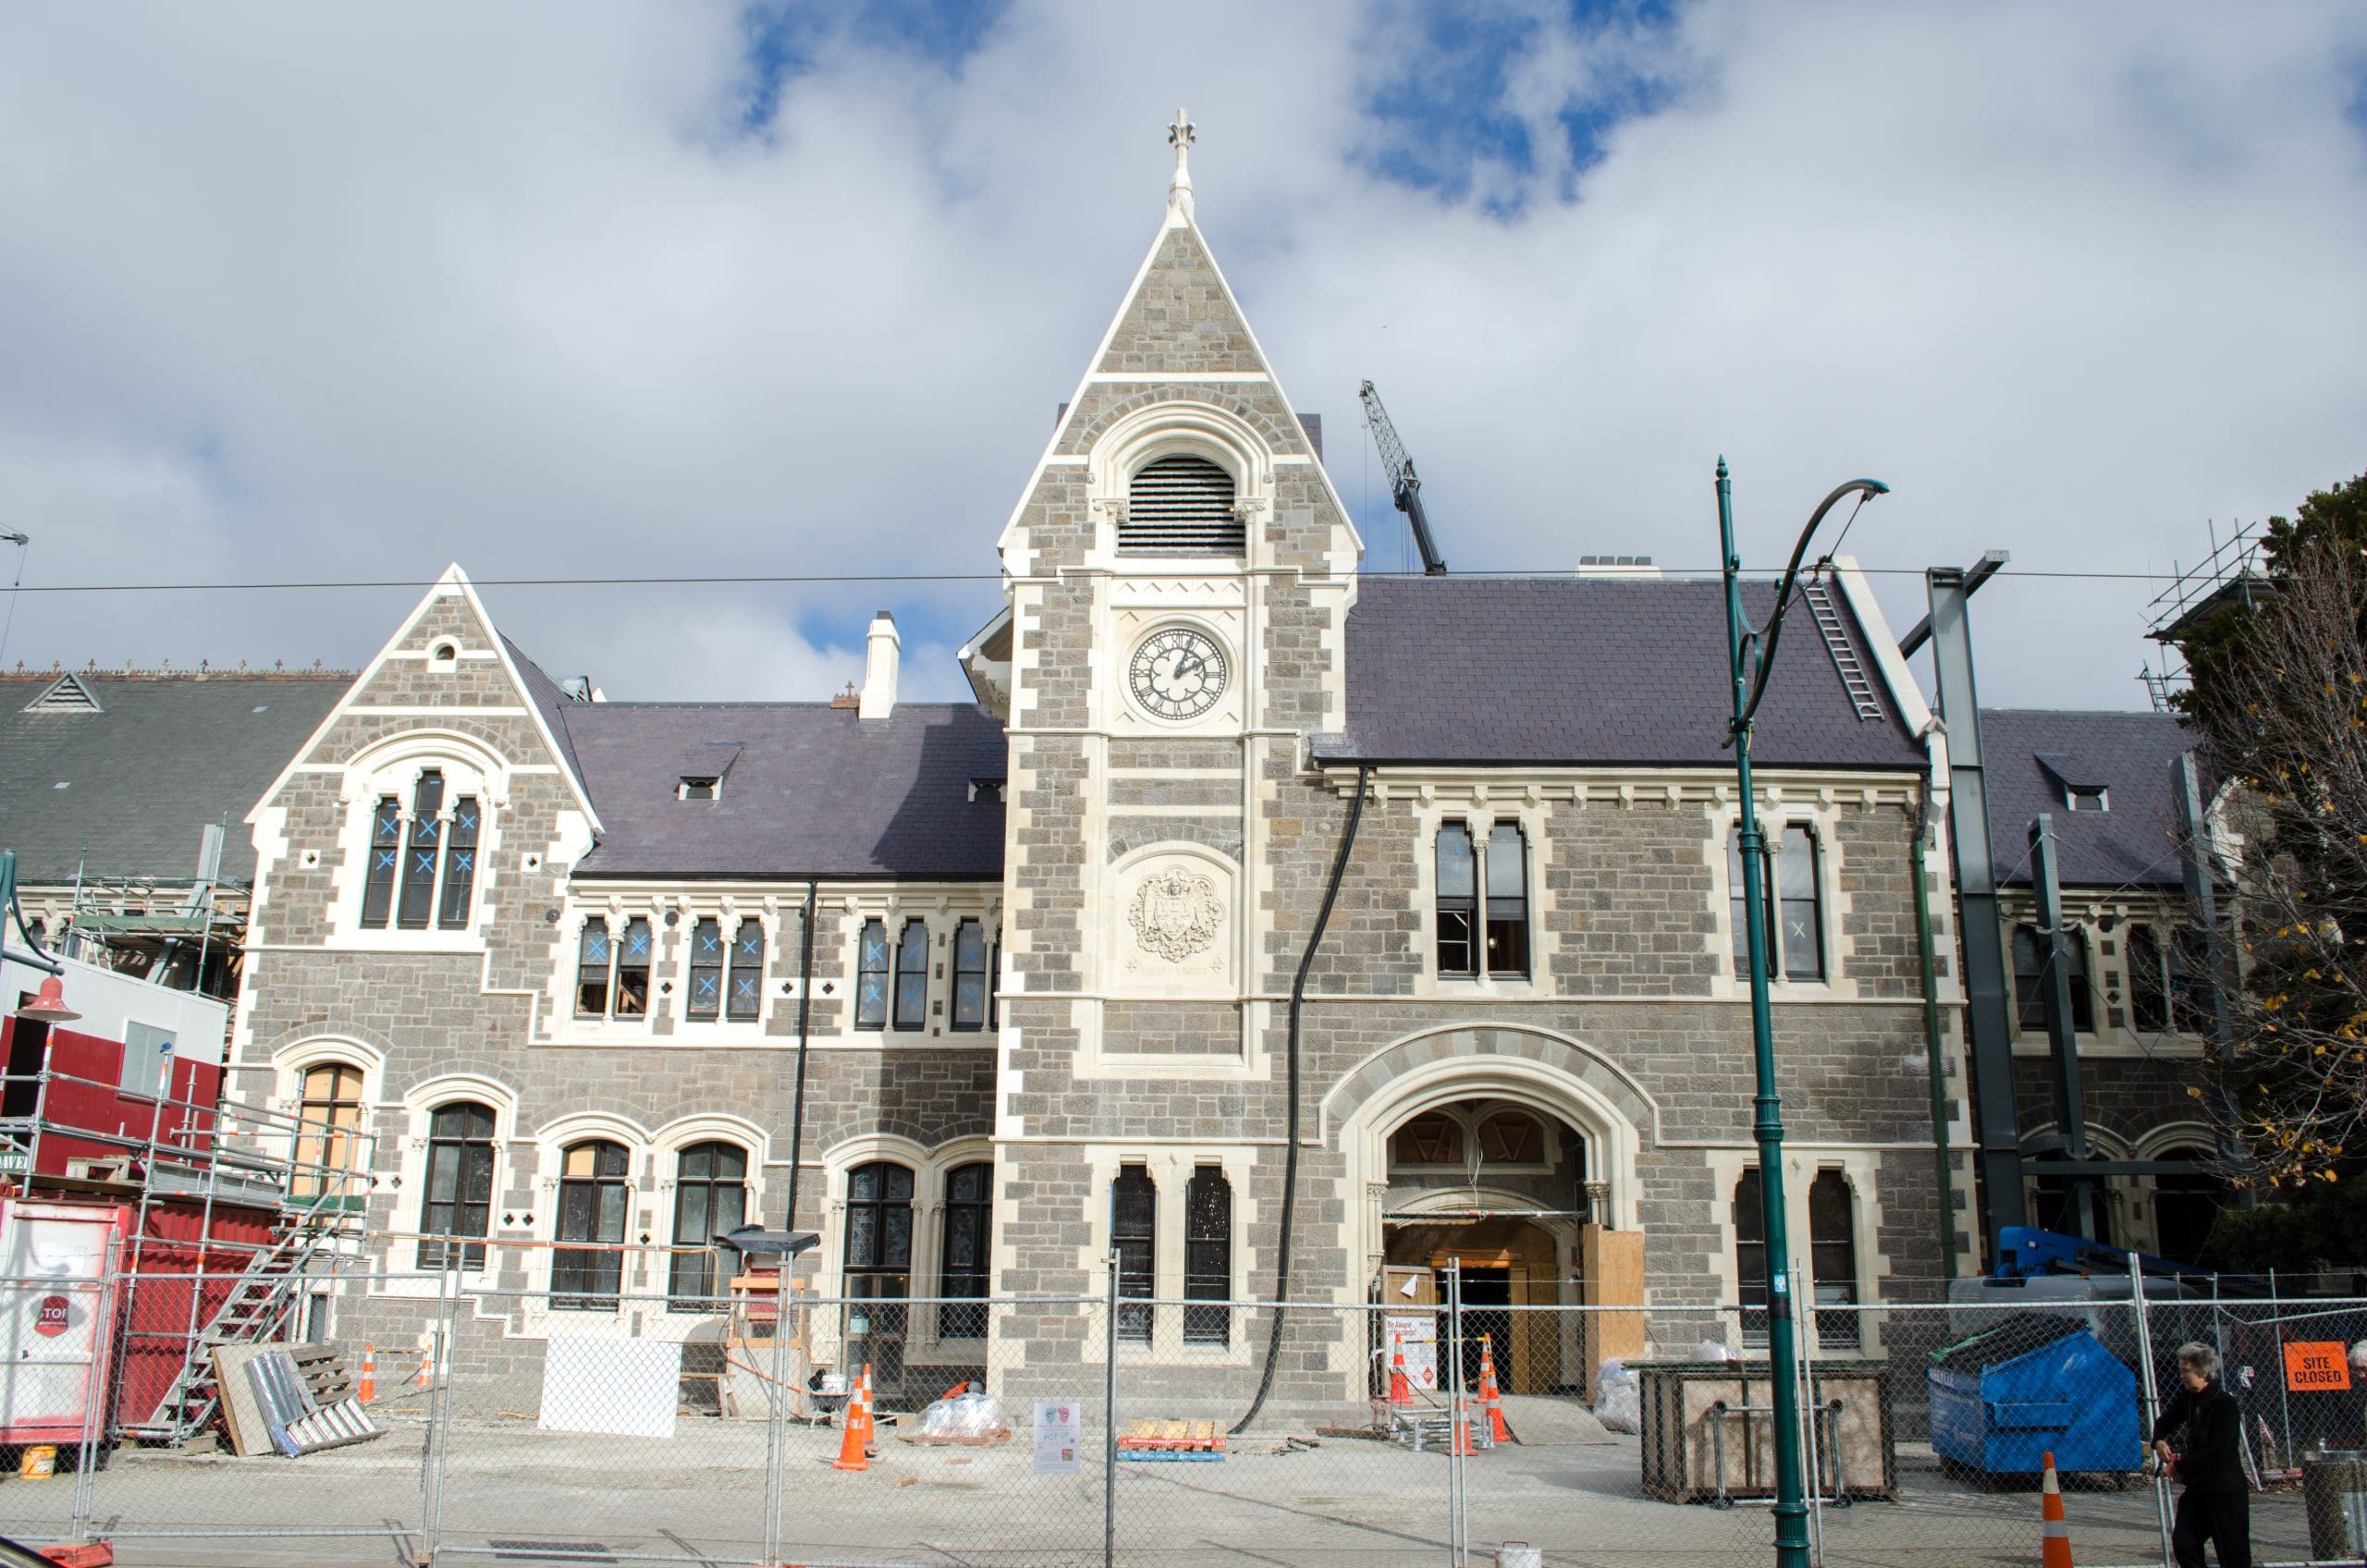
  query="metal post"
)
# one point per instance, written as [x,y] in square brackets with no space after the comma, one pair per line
[439,1394]
[94,1407]
[2062,1043]
[1934,1055]
[1457,1418]
[1791,1511]
[2151,1399]
[776,1417]
[1110,1419]
[2284,1399]
[1802,1303]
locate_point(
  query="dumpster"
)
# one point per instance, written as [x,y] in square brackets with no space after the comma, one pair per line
[2034,1384]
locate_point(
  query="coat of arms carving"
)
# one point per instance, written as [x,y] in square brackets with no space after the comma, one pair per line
[1176,914]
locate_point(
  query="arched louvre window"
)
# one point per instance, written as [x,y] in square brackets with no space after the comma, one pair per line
[2148,992]
[419,855]
[593,1198]
[460,1185]
[871,976]
[1133,1216]
[1180,506]
[748,970]
[970,979]
[1507,900]
[710,1200]
[2029,981]
[1458,871]
[328,1115]
[459,864]
[912,977]
[596,956]
[878,1264]
[1208,1256]
[1749,1218]
[969,1232]
[1833,1259]
[706,970]
[385,860]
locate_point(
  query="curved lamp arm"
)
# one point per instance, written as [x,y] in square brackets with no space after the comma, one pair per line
[1869,488]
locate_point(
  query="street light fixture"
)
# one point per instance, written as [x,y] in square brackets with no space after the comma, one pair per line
[1750,654]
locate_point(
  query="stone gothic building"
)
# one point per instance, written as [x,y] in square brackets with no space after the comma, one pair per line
[1251,897]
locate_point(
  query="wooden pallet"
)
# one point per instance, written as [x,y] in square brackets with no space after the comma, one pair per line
[1170,1437]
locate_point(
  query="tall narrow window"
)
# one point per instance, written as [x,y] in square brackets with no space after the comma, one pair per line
[459,1186]
[1507,900]
[969,975]
[2148,992]
[710,1200]
[327,1117]
[1798,919]
[1134,1214]
[748,970]
[593,1200]
[871,976]
[2190,981]
[878,1262]
[1457,874]
[2030,951]
[594,959]
[912,977]
[386,859]
[1737,908]
[633,968]
[706,971]
[459,864]
[1832,1259]
[419,855]
[969,1210]
[1208,1256]
[1751,1256]
[994,984]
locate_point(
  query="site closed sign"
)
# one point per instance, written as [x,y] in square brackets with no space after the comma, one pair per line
[2316,1368]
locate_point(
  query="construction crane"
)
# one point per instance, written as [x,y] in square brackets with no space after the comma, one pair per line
[1406,487]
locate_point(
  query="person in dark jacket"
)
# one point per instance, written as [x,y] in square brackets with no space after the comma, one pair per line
[2208,1461]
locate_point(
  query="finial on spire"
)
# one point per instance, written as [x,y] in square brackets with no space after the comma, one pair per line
[1179,137]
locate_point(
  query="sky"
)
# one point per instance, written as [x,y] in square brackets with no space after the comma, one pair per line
[649,290]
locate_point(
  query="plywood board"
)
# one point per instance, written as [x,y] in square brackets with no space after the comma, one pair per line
[630,1388]
[242,1416]
[1612,1262]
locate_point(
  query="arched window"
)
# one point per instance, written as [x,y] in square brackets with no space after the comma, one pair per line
[328,1115]
[2190,981]
[912,977]
[2186,1205]
[710,1200]
[1833,1259]
[1433,1138]
[1507,900]
[2029,981]
[593,1201]
[748,970]
[1458,871]
[970,981]
[2148,981]
[969,1235]
[1133,1236]
[871,976]
[1180,506]
[595,958]
[878,1262]
[386,859]
[1749,1218]
[418,856]
[1788,882]
[1208,1256]
[459,1200]
[706,1000]
[459,864]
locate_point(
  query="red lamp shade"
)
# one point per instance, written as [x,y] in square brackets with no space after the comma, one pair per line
[49,1005]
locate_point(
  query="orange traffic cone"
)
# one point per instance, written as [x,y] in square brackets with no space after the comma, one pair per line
[427,1379]
[1491,1397]
[1461,1447]
[2054,1552]
[1401,1388]
[369,1388]
[853,1454]
[870,1416]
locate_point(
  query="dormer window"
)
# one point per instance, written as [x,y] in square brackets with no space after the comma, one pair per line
[1180,506]
[699,787]
[2083,798]
[987,791]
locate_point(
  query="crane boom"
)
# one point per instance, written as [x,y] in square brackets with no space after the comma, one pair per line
[1404,485]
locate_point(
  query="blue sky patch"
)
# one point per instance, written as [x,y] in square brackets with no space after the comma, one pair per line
[784,40]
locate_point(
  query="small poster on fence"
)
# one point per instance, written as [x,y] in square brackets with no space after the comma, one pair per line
[1418,1336]
[1059,1437]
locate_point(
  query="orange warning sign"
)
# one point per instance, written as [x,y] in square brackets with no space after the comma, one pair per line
[2316,1366]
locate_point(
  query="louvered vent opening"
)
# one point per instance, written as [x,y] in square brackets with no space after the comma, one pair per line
[1181,507]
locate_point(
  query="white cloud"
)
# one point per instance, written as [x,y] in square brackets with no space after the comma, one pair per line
[355,294]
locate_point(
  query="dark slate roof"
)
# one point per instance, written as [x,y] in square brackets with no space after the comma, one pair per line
[167,755]
[553,704]
[1590,670]
[2028,757]
[814,791]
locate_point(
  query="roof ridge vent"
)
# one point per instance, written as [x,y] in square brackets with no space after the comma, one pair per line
[66,694]
[1844,652]
[1617,566]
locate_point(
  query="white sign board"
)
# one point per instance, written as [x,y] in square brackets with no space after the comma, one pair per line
[1059,1437]
[1419,1337]
[630,1388]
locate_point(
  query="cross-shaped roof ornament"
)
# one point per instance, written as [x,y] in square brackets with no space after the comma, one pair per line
[1179,137]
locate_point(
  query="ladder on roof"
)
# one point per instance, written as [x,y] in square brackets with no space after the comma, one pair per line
[1818,596]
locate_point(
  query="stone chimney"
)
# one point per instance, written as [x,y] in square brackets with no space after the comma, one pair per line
[880,669]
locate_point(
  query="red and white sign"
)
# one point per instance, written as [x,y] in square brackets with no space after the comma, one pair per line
[52,1317]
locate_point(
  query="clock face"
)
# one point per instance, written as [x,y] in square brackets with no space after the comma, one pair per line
[1177,673]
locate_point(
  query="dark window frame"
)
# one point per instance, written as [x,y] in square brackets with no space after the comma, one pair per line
[973,985]
[385,862]
[1133,1236]
[2146,965]
[1456,949]
[2029,953]
[1506,923]
[325,1141]
[467,1144]
[692,1278]
[744,998]
[703,1004]
[1748,1216]
[871,979]
[590,1278]
[1833,1259]
[969,1217]
[585,956]
[908,986]
[876,1333]
[638,941]
[459,880]
[1208,1256]
[423,854]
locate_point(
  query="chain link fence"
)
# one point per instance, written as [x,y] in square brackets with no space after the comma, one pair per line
[595,1422]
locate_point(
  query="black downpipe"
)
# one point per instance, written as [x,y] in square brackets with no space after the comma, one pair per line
[804,1014]
[1290,1153]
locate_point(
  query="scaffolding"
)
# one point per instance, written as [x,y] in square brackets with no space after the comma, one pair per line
[2230,574]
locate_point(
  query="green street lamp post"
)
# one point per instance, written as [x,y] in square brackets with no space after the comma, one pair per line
[1750,653]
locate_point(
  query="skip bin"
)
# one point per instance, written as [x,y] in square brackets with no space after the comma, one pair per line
[2034,1384]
